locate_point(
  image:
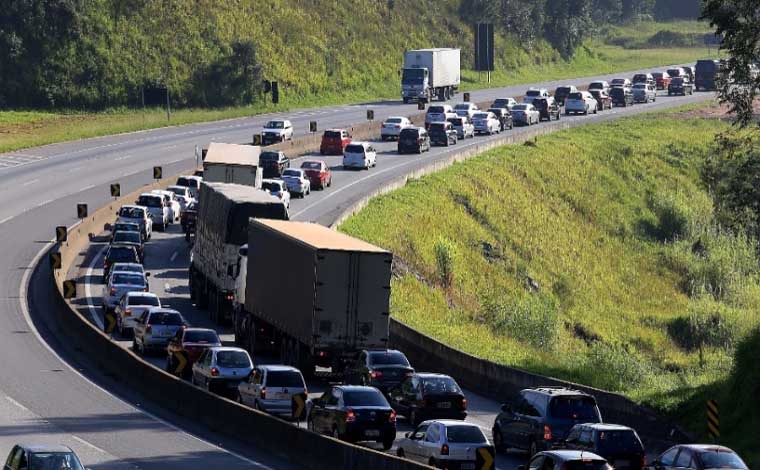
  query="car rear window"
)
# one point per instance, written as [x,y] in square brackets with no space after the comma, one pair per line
[271,186]
[150,201]
[640,86]
[533,93]
[332,135]
[54,460]
[440,385]
[284,378]
[436,109]
[269,157]
[124,236]
[201,336]
[624,440]
[596,85]
[354,149]
[501,103]
[480,116]
[129,279]
[465,434]
[143,300]
[364,398]
[291,172]
[165,318]
[182,181]
[456,122]
[575,408]
[131,212]
[715,459]
[275,125]
[232,359]
[657,75]
[674,72]
[437,126]
[311,166]
[585,464]
[122,227]
[127,267]
[122,254]
[575,96]
[563,90]
[382,358]
[393,120]
[677,81]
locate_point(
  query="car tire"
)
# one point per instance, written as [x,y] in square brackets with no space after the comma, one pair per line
[498,440]
[400,453]
[432,463]
[134,347]
[335,433]
[532,449]
[388,443]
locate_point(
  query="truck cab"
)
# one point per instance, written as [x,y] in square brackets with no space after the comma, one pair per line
[414,84]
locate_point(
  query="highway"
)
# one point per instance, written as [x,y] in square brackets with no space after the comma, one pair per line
[42,396]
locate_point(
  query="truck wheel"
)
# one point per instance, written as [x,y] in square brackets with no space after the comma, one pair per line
[406,100]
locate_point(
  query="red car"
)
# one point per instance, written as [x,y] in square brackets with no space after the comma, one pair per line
[662,79]
[191,342]
[318,172]
[334,141]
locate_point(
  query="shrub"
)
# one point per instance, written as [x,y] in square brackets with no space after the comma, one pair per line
[533,319]
[679,215]
[723,264]
[707,324]
[614,366]
[444,251]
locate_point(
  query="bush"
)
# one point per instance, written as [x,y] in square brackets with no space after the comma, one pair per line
[723,264]
[707,324]
[444,251]
[533,319]
[614,367]
[679,215]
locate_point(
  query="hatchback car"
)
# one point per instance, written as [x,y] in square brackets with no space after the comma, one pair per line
[562,92]
[42,456]
[423,396]
[221,369]
[581,103]
[392,127]
[118,254]
[157,209]
[541,418]
[334,141]
[534,93]
[414,140]
[319,174]
[276,131]
[439,113]
[466,109]
[130,308]
[566,460]
[353,414]
[360,155]
[446,444]
[296,181]
[154,328]
[463,126]
[273,163]
[278,189]
[698,457]
[619,445]
[133,239]
[621,97]
[504,103]
[525,114]
[486,123]
[383,369]
[191,342]
[442,133]
[138,215]
[270,388]
[119,284]
[547,108]
[643,93]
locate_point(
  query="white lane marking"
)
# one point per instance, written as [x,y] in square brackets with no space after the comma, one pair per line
[88,292]
[36,180]
[167,287]
[87,187]
[45,202]
[6,219]
[173,257]
[16,404]
[88,444]
[123,157]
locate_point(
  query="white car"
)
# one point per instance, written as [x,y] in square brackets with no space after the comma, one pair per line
[270,388]
[581,102]
[361,155]
[463,126]
[296,181]
[222,369]
[131,306]
[193,183]
[437,442]
[504,103]
[182,193]
[486,123]
[439,113]
[466,109]
[526,114]
[138,215]
[534,93]
[393,126]
[278,189]
[171,201]
[157,209]
[600,85]
[276,131]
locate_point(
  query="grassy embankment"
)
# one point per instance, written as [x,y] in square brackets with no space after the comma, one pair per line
[592,256]
[606,53]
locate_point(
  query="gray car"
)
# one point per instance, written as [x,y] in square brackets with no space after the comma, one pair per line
[138,215]
[130,308]
[221,369]
[564,459]
[119,283]
[447,443]
[154,329]
[270,388]
[463,126]
[644,93]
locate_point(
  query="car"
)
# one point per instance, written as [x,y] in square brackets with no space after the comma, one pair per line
[278,189]
[133,239]
[273,163]
[486,123]
[422,396]
[445,444]
[561,93]
[415,140]
[171,201]
[599,85]
[466,109]
[705,73]
[128,268]
[157,209]
[525,114]
[183,195]
[354,414]
[644,93]
[296,181]
[504,103]
[676,72]
[581,102]
[319,174]
[680,86]
[270,388]
[334,141]
[534,93]
[276,131]
[621,97]
[439,113]
[504,116]
[547,108]
[126,227]
[360,155]
[131,306]
[193,183]
[138,215]
[647,78]
[190,342]
[188,219]
[619,445]
[118,254]
[690,71]
[662,80]
[621,82]
[698,457]
[540,418]
[603,99]
[442,133]
[42,457]
[154,328]
[119,284]
[565,460]
[221,369]
[382,369]
[392,127]
[463,126]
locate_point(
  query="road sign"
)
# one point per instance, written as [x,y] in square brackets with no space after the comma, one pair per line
[484,459]
[82,211]
[158,173]
[275,92]
[110,321]
[55,261]
[370,115]
[69,289]
[115,190]
[61,235]
[467,96]
[313,126]
[298,406]
[180,362]
[421,105]
[713,419]
[484,47]
[256,139]
[267,86]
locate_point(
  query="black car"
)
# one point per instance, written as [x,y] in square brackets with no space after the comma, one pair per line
[621,96]
[383,368]
[273,163]
[442,133]
[619,445]
[413,140]
[698,457]
[41,456]
[540,418]
[353,414]
[680,86]
[561,94]
[119,254]
[133,239]
[504,117]
[424,396]
[705,73]
[547,109]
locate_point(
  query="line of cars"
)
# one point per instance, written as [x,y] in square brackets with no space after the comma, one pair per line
[284,182]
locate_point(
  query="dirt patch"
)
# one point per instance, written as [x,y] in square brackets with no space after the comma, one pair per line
[715,111]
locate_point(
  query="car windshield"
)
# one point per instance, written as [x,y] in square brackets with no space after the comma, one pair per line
[618,81]
[178,190]
[436,110]
[132,212]
[232,359]
[575,408]
[143,300]
[201,336]
[586,464]
[413,76]
[640,86]
[501,103]
[657,75]
[269,157]
[437,127]
[533,93]
[409,134]
[126,228]
[284,378]
[440,385]
[610,441]
[462,106]
[674,72]
[311,166]
[393,120]
[480,116]
[271,186]
[575,96]
[122,254]
[127,268]
[126,237]
[332,135]
[182,181]
[597,85]
[54,461]
[617,91]
[364,398]
[563,90]
[128,279]
[456,122]
[721,460]
[150,201]
[166,318]
[384,358]
[520,107]
[465,434]
[275,125]
[354,148]
[293,173]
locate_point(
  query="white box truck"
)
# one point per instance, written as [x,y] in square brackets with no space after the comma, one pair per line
[232,163]
[430,73]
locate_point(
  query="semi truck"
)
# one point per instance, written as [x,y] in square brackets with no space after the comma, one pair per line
[232,163]
[221,229]
[430,73]
[312,295]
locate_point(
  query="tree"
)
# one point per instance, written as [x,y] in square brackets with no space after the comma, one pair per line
[606,11]
[568,22]
[634,10]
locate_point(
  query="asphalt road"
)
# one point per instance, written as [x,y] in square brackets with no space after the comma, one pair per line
[47,396]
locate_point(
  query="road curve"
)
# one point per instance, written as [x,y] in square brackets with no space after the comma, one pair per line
[44,398]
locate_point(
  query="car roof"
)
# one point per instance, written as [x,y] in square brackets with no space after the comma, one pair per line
[606,427]
[453,422]
[125,264]
[199,329]
[162,310]
[430,375]
[572,454]
[557,391]
[42,448]
[357,388]
[132,206]
[142,294]
[228,348]
[706,447]
[335,130]
[358,142]
[273,180]
[120,245]
[382,351]
[278,367]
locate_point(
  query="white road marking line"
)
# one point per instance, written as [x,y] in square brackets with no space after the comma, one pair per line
[167,287]
[88,187]
[88,293]
[123,157]
[15,403]
[173,257]
[72,170]
[6,219]
[45,202]
[37,180]
[88,444]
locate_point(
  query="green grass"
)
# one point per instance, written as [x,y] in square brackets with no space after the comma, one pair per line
[605,220]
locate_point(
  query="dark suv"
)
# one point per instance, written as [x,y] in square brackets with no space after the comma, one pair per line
[619,445]
[273,164]
[547,109]
[541,418]
[413,139]
[621,97]
[382,368]
[442,133]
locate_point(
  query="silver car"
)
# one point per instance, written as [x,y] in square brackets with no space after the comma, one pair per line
[486,123]
[297,181]
[119,283]
[562,459]
[270,388]
[447,443]
[154,329]
[393,126]
[526,114]
[278,189]
[644,93]
[138,215]
[463,126]
[130,308]
[221,369]
[129,268]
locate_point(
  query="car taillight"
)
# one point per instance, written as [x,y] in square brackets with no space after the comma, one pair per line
[445,449]
[547,432]
[263,393]
[113,291]
[392,417]
[214,372]
[419,141]
[376,374]
[464,403]
[321,354]
[643,461]
[230,296]
[148,329]
[350,416]
[127,313]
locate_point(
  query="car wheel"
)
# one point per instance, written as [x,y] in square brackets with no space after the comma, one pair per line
[169,367]
[400,453]
[432,463]
[335,434]
[239,398]
[310,425]
[498,440]
[533,449]
[388,443]
[134,346]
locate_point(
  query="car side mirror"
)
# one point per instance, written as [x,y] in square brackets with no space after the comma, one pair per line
[147,274]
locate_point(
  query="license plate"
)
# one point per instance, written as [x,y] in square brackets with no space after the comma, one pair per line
[444,404]
[281,396]
[372,433]
[166,333]
[467,466]
[622,463]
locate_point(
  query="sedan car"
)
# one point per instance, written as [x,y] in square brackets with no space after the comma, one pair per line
[154,328]
[581,102]
[297,182]
[415,140]
[353,414]
[644,93]
[133,239]
[392,127]
[525,114]
[486,123]
[119,284]
[126,227]
[360,155]
[118,254]
[273,163]
[221,369]
[423,396]
[442,133]
[566,459]
[334,141]
[463,126]
[270,388]
[466,109]
[603,99]
[319,174]
[278,189]
[130,308]
[698,457]
[446,444]
[138,215]
[276,131]
[42,456]
[504,103]
[383,369]
[191,342]
[619,445]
